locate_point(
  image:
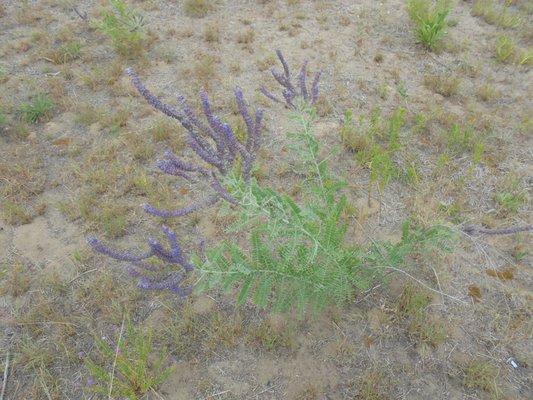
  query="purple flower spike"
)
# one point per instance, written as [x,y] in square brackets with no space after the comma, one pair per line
[217,150]
[314,87]
[151,99]
[302,80]
[181,211]
[154,276]
[117,255]
[289,91]
[269,95]
[222,192]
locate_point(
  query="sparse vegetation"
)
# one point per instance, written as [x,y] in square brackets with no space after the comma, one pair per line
[509,201]
[65,53]
[197,8]
[124,368]
[480,374]
[446,85]
[421,117]
[3,118]
[487,92]
[496,13]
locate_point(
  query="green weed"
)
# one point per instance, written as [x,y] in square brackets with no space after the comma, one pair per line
[124,368]
[40,108]
[15,214]
[382,169]
[15,279]
[125,27]
[510,202]
[412,301]
[505,49]
[480,374]
[273,338]
[66,53]
[371,386]
[352,138]
[464,139]
[422,326]
[430,21]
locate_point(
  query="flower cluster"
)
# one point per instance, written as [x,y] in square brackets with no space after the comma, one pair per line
[291,90]
[214,142]
[217,148]
[152,276]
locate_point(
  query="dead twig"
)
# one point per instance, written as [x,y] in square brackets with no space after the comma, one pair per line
[83,16]
[478,230]
[115,360]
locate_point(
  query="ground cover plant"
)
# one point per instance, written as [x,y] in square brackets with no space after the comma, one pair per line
[363,235]
[124,26]
[430,19]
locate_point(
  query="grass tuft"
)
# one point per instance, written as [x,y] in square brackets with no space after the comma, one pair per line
[495,14]
[38,109]
[197,8]
[124,367]
[125,27]
[430,21]
[480,374]
[446,85]
[505,49]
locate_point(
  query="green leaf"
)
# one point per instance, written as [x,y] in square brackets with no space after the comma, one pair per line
[262,292]
[243,294]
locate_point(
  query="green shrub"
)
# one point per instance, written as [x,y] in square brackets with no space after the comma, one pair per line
[298,256]
[430,20]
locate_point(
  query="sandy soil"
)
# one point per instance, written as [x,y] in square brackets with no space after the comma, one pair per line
[87,166]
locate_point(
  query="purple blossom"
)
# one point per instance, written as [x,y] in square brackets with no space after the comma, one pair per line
[217,149]
[150,275]
[214,143]
[181,212]
[289,91]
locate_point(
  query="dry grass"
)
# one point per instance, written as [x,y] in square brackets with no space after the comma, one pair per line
[78,147]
